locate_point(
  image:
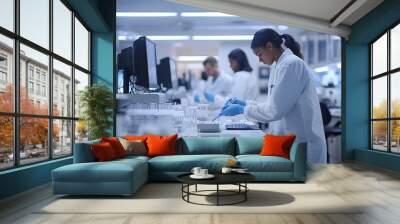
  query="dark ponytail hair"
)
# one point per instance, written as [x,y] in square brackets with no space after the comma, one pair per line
[263,36]
[240,57]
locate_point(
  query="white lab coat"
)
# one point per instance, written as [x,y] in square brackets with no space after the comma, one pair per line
[292,106]
[244,88]
[221,86]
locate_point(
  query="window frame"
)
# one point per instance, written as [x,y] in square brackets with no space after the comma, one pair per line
[388,74]
[16,114]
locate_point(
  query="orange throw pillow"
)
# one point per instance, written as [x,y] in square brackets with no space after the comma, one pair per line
[161,145]
[277,145]
[136,137]
[116,145]
[103,152]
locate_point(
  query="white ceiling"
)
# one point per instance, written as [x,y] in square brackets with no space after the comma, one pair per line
[183,25]
[315,15]
[311,8]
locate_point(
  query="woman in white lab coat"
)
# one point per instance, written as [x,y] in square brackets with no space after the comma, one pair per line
[292,105]
[244,85]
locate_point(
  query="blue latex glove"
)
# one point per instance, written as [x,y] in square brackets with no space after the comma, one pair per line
[232,110]
[233,101]
[209,97]
[240,102]
[196,98]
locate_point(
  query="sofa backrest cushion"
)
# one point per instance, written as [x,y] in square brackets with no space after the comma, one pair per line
[206,145]
[161,145]
[83,152]
[249,145]
[104,151]
[116,145]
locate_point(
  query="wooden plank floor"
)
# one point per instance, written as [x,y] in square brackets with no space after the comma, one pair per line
[377,188]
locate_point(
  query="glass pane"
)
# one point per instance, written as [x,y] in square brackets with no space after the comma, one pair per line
[322,50]
[62,29]
[6,74]
[62,89]
[395,136]
[395,94]
[379,55]
[62,138]
[33,139]
[379,135]
[34,97]
[81,45]
[35,21]
[7,14]
[310,51]
[379,98]
[6,142]
[395,47]
[81,131]
[81,81]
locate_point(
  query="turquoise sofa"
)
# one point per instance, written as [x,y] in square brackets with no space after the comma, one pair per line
[125,176]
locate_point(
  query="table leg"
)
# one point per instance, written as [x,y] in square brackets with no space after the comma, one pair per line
[217,194]
[188,190]
[245,193]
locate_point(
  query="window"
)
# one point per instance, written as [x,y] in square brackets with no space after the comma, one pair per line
[62,137]
[30,72]
[81,81]
[81,45]
[336,49]
[62,29]
[45,131]
[34,21]
[6,142]
[40,62]
[33,147]
[6,73]
[37,75]
[37,89]
[3,60]
[62,74]
[44,91]
[322,50]
[385,97]
[310,51]
[3,78]
[7,14]
[30,88]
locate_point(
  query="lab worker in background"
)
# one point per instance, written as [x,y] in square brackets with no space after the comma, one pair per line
[217,82]
[292,105]
[244,86]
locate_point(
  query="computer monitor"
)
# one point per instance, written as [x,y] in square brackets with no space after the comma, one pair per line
[145,61]
[125,65]
[166,73]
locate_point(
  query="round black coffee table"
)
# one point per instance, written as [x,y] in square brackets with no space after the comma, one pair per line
[238,179]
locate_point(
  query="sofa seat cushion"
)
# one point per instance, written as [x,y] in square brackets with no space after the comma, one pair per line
[112,171]
[133,157]
[185,163]
[257,163]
